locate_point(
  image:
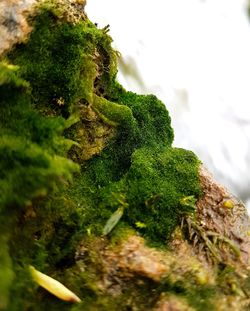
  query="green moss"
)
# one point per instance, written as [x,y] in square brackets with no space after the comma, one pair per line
[32,165]
[152,184]
[6,271]
[113,113]
[43,85]
[141,166]
[153,120]
[56,53]
[59,62]
[31,149]
[28,170]
[202,298]
[8,76]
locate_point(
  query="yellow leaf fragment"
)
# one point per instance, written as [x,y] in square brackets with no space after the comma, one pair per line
[53,286]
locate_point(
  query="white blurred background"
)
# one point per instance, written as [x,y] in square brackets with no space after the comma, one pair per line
[195,56]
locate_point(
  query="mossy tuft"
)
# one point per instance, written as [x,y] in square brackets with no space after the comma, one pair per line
[74,147]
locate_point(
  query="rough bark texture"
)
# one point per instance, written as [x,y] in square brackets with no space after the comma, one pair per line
[92,193]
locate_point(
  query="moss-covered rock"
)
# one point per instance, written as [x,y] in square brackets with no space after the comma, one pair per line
[86,165]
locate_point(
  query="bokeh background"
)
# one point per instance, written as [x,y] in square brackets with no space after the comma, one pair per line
[195,56]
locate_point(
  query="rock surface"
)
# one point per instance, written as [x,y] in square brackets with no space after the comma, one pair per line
[14,27]
[83,148]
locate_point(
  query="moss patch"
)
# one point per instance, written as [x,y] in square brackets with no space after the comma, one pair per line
[49,87]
